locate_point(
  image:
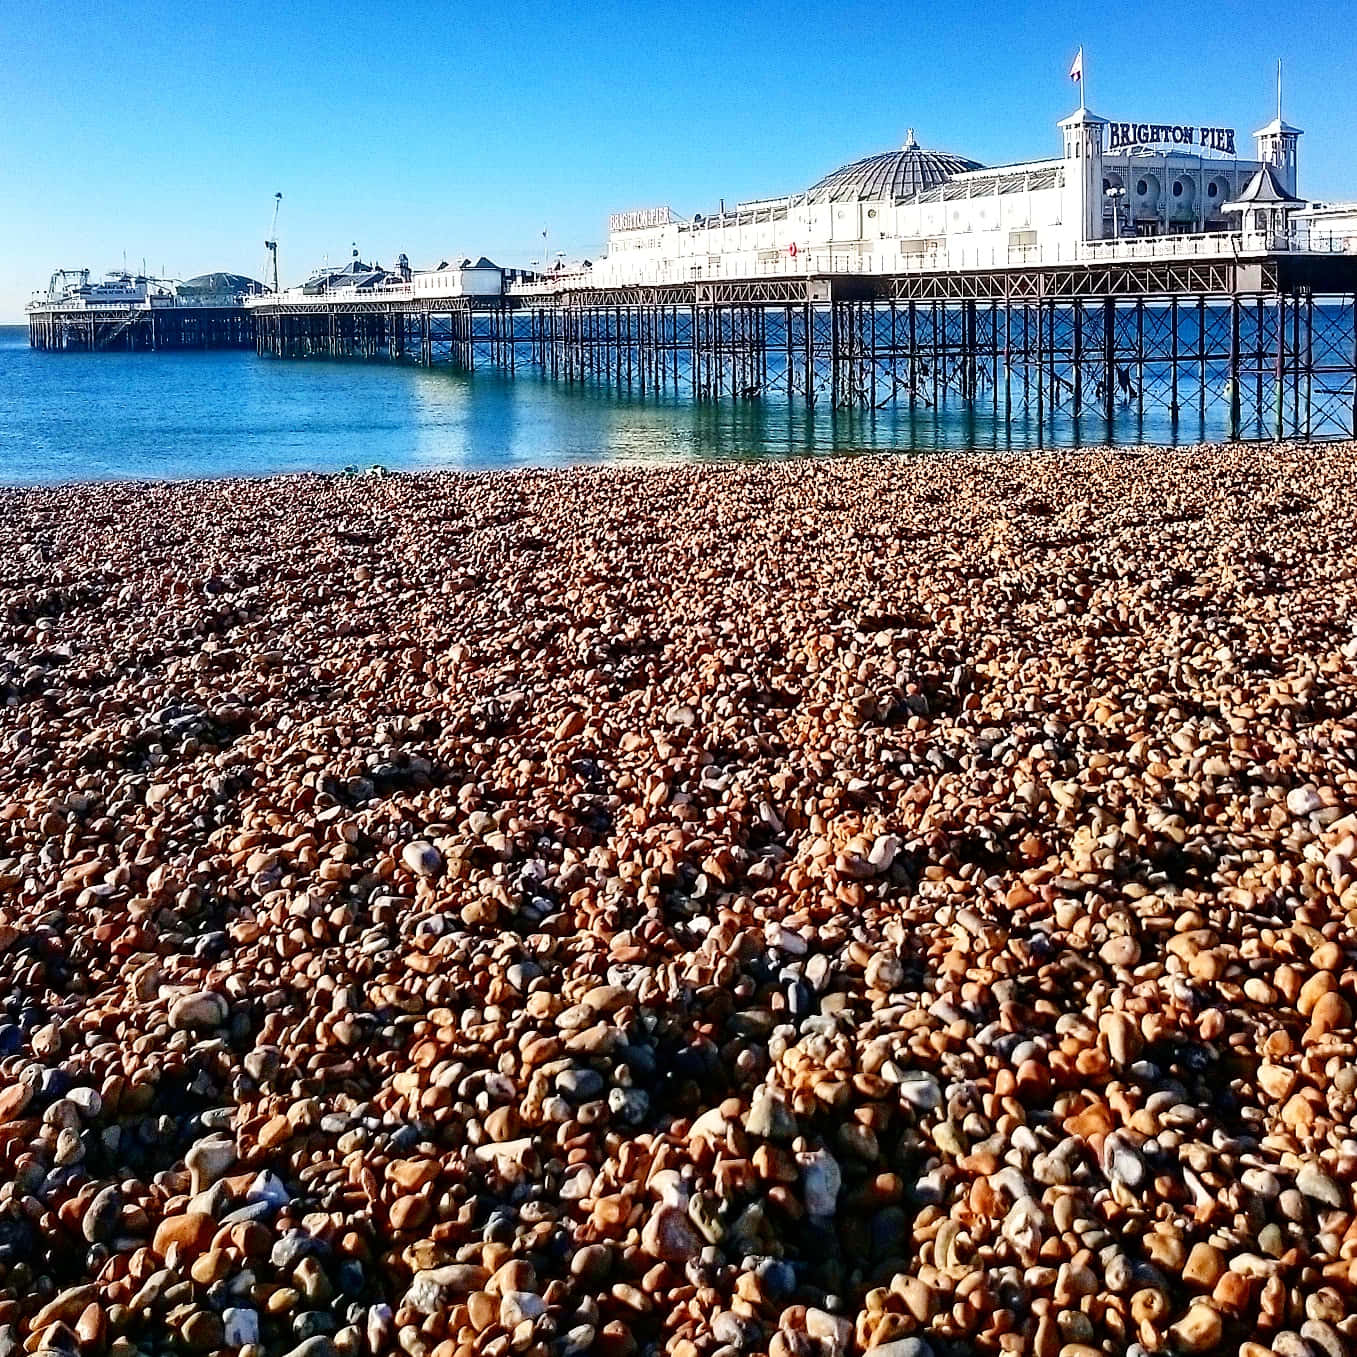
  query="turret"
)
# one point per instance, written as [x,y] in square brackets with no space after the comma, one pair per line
[1277,145]
[1083,133]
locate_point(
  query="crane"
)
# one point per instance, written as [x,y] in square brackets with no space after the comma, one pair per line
[271,245]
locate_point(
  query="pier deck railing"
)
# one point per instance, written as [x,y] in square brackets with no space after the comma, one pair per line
[81,306]
[812,263]
[1222,245]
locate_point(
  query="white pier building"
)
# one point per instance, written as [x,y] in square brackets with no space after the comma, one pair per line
[1114,190]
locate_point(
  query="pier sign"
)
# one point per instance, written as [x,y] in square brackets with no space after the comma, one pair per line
[640,219]
[1125,136]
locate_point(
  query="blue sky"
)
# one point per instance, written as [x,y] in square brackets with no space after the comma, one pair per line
[162,130]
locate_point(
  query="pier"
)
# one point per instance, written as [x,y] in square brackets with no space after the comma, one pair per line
[133,327]
[1114,279]
[1273,334]
[130,312]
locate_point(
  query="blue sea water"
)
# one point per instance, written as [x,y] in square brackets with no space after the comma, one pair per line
[104,416]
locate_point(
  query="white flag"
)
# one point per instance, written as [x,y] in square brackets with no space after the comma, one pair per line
[1077,67]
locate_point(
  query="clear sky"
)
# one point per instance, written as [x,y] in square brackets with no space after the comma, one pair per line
[162,130]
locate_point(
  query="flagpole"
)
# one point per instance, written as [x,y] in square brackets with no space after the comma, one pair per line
[1083,77]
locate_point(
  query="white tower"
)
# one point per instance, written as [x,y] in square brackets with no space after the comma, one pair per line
[1084,173]
[1277,144]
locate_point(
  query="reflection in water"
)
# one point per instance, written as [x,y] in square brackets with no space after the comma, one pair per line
[655,428]
[181,415]
[491,419]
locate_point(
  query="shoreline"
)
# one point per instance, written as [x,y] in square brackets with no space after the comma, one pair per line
[680,463]
[881,903]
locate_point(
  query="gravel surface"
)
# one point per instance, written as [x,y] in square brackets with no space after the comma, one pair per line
[885,904]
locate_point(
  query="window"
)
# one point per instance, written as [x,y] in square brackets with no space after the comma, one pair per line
[1142,188]
[1213,190]
[1177,188]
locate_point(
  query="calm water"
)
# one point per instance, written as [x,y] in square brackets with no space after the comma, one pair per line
[74,416]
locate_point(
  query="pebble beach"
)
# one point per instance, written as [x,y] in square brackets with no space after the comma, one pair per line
[902,905]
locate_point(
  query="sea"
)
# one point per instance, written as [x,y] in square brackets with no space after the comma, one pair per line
[190,415]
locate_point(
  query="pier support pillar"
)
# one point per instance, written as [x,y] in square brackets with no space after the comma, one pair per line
[1279,370]
[1109,362]
[1234,368]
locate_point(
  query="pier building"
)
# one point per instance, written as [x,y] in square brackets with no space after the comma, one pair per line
[914,209]
[129,311]
[356,280]
[1327,226]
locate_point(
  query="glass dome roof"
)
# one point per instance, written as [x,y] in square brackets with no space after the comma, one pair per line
[892,174]
[220,282]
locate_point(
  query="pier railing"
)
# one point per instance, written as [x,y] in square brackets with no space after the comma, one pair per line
[380,292]
[768,264]
[108,306]
[812,263]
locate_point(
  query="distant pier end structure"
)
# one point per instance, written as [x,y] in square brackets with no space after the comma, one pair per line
[128,312]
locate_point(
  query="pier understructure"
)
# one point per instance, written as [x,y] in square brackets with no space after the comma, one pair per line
[1265,348]
[137,327]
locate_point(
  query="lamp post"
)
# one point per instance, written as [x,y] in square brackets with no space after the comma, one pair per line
[1115,192]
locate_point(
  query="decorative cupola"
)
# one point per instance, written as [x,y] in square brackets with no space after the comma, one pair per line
[1265,207]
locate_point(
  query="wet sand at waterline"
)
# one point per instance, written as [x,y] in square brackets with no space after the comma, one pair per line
[902,904]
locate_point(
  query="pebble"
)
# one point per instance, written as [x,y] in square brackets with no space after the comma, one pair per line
[239,1326]
[516,1306]
[435,1288]
[919,1089]
[189,1233]
[769,1117]
[670,1236]
[821,1179]
[203,1009]
[207,1160]
[904,1347]
[1321,1188]
[102,1215]
[899,906]
[1123,1162]
[319,1345]
[1199,1330]
[422,858]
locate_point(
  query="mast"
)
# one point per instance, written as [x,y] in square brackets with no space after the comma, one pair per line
[271,244]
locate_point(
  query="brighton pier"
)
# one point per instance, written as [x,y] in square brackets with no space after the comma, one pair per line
[1116,276]
[1273,336]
